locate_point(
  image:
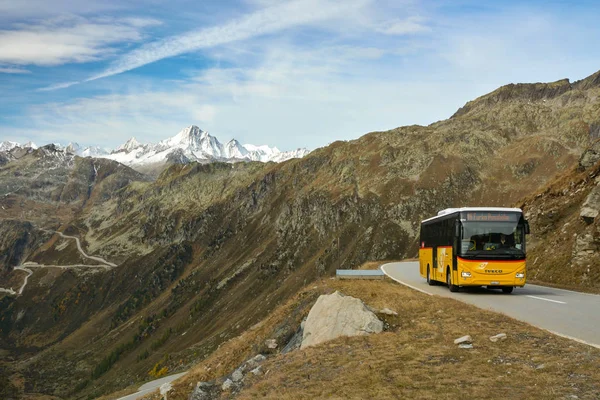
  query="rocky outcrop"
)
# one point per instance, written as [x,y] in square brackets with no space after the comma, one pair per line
[589,82]
[230,384]
[520,91]
[591,155]
[585,246]
[337,315]
[591,205]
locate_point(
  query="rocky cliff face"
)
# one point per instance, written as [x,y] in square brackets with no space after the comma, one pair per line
[206,251]
[564,216]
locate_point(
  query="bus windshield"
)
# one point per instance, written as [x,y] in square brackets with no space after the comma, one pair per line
[503,239]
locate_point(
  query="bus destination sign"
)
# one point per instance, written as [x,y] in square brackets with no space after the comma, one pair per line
[491,216]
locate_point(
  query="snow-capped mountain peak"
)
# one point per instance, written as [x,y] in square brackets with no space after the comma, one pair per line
[73,148]
[234,149]
[129,145]
[8,145]
[194,142]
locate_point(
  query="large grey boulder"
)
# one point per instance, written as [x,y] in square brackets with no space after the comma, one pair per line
[337,315]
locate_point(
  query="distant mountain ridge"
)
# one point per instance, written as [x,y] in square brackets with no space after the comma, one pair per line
[190,144]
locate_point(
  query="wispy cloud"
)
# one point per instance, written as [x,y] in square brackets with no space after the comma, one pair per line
[58,86]
[67,40]
[265,21]
[410,25]
[13,70]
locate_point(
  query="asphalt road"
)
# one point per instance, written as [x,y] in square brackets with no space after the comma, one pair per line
[566,313]
[151,386]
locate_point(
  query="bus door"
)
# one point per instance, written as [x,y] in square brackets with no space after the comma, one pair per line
[434,266]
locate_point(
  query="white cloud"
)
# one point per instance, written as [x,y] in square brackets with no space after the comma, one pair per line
[205,113]
[13,70]
[62,85]
[265,21]
[66,40]
[108,120]
[408,26]
[294,97]
[11,9]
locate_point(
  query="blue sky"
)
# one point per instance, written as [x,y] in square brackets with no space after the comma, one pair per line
[296,73]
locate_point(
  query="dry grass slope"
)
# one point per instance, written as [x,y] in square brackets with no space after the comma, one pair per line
[414,358]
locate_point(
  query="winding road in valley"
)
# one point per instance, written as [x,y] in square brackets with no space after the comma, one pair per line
[83,253]
[27,265]
[573,315]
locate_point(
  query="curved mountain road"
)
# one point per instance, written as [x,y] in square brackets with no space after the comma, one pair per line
[151,386]
[573,315]
[26,265]
[83,253]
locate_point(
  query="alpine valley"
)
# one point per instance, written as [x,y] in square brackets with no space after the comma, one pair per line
[116,268]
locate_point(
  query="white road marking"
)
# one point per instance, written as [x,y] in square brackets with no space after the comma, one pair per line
[575,339]
[541,298]
[404,283]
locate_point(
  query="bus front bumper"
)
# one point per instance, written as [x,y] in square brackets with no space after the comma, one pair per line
[470,279]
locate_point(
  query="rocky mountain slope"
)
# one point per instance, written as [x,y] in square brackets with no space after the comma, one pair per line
[206,251]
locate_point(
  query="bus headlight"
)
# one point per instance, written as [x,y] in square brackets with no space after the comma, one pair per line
[465,274]
[520,275]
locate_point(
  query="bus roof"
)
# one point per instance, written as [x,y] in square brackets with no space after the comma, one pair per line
[449,211]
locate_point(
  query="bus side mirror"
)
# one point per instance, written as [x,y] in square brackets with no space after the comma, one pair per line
[457,229]
[527,227]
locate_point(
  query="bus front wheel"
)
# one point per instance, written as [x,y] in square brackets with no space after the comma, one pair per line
[507,289]
[453,288]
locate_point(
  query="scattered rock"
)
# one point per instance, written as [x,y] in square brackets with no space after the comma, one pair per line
[337,315]
[590,156]
[164,389]
[591,206]
[295,342]
[463,339]
[500,336]
[205,385]
[255,361]
[237,375]
[465,346]
[271,343]
[541,366]
[256,371]
[201,391]
[585,245]
[227,385]
[387,311]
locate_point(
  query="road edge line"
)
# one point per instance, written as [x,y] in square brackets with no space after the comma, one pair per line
[563,290]
[574,339]
[403,283]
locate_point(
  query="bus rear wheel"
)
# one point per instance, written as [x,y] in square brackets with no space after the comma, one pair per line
[507,289]
[429,281]
[453,288]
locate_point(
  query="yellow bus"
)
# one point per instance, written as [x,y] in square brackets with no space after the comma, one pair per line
[474,246]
